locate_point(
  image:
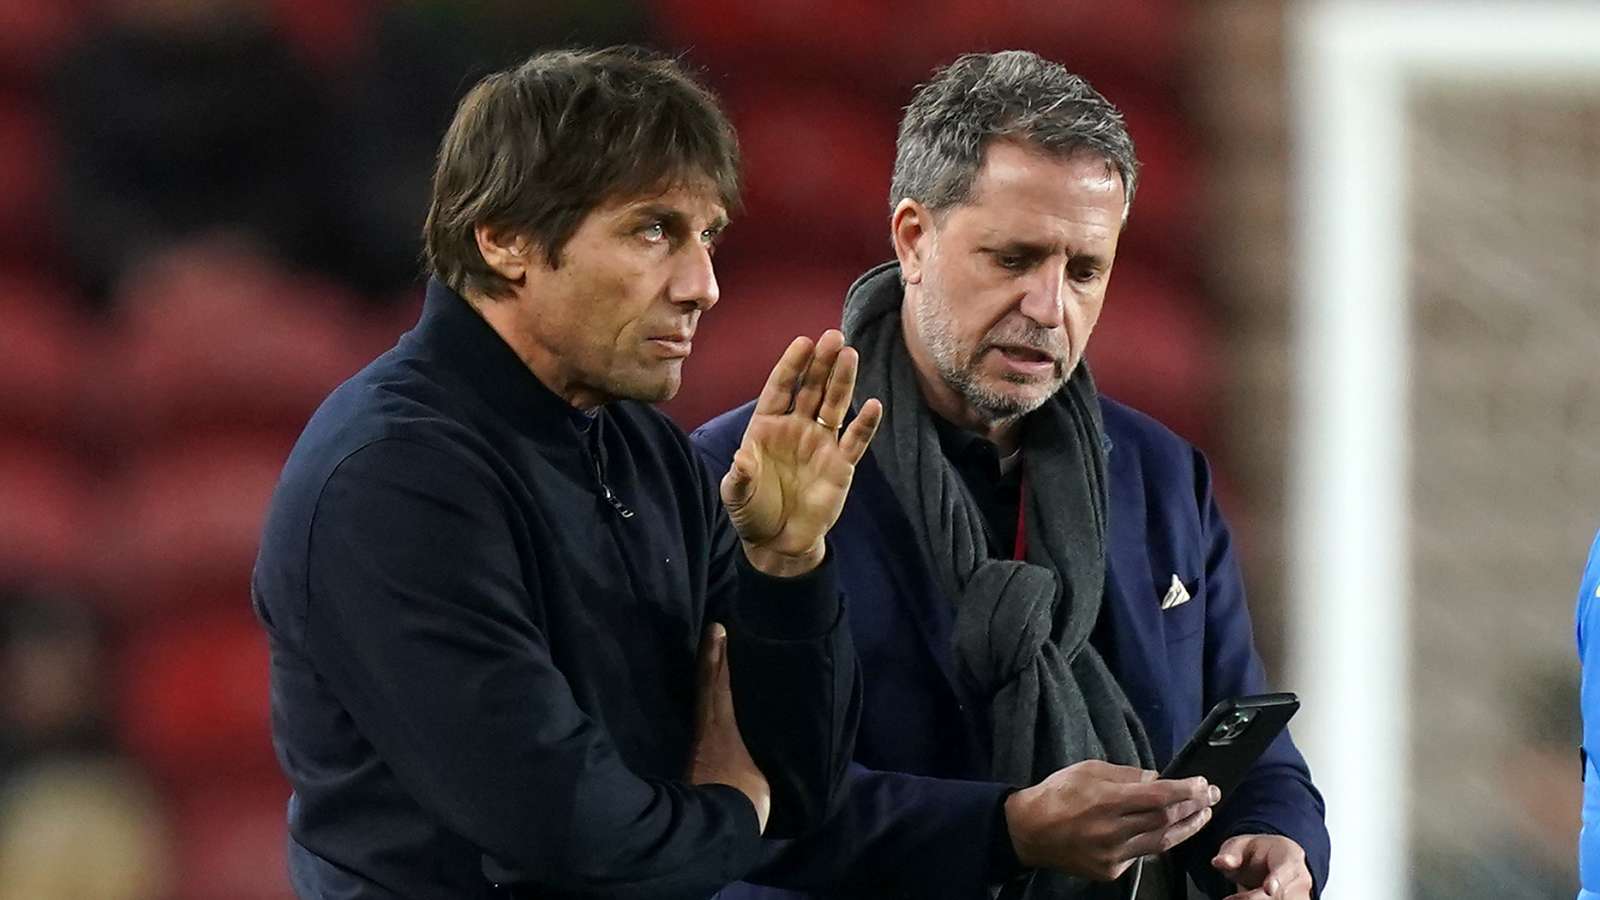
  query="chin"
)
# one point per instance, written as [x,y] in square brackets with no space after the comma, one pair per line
[648,383]
[652,391]
[1009,399]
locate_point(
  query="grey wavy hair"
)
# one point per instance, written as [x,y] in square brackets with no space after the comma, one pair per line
[1010,95]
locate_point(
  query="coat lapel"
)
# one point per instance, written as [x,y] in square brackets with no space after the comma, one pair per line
[873,502]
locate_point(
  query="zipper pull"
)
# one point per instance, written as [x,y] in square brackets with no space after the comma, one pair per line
[621,508]
[605,490]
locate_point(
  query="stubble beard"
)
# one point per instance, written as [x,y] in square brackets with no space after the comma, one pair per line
[962,371]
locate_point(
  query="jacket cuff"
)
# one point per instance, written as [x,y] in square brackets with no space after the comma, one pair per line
[788,609]
[1003,862]
[744,848]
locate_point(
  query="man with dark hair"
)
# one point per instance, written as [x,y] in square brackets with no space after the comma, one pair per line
[489,563]
[1039,578]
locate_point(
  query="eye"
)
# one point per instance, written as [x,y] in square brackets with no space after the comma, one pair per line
[1084,274]
[1012,262]
[654,232]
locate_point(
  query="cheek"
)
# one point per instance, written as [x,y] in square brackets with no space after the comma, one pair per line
[1090,305]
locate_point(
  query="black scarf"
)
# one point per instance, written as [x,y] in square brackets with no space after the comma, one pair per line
[1022,628]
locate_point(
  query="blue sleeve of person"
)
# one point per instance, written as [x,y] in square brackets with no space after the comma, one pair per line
[1588,628]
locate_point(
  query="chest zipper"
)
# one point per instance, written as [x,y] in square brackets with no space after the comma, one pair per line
[605,489]
[614,525]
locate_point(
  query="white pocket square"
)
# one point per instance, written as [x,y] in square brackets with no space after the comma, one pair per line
[1177,595]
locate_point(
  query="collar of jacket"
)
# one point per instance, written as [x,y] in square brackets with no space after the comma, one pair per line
[458,338]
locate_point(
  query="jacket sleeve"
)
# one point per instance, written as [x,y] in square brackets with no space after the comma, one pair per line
[890,833]
[1277,796]
[796,681]
[899,835]
[420,622]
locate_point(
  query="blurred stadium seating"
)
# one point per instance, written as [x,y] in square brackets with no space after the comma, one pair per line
[143,420]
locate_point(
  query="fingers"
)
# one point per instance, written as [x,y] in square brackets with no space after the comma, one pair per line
[722,688]
[1105,771]
[818,374]
[859,435]
[841,386]
[1298,889]
[740,479]
[1230,856]
[1159,819]
[710,674]
[1250,863]
[816,381]
[777,395]
[1288,879]
[1164,792]
[1162,813]
[1150,843]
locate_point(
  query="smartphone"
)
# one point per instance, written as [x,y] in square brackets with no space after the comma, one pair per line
[1230,740]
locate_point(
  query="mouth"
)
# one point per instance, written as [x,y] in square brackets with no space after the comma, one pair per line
[673,346]
[1026,361]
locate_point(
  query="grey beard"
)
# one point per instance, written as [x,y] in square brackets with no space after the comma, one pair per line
[961,372]
[995,407]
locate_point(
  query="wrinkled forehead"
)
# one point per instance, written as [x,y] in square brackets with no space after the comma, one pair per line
[1012,170]
[694,195]
[1024,189]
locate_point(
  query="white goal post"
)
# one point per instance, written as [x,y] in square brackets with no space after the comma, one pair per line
[1352,69]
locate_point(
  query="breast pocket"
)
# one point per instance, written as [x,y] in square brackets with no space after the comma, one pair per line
[1182,607]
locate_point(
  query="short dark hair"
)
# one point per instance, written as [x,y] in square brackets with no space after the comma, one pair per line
[533,149]
[1015,95]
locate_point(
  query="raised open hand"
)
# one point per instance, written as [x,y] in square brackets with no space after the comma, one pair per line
[792,472]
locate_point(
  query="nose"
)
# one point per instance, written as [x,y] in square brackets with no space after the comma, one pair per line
[694,279]
[1044,302]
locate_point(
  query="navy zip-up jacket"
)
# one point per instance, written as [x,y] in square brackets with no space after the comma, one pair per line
[483,608]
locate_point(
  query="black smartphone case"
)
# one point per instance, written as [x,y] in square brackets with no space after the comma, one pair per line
[1223,748]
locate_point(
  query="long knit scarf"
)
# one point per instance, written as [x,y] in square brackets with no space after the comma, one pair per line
[1022,627]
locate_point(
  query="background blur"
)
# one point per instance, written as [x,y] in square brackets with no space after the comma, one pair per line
[209,213]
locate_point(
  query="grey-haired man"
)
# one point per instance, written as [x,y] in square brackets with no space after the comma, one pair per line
[1039,580]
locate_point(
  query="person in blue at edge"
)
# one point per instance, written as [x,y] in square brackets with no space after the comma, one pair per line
[1016,712]
[1589,657]
[489,564]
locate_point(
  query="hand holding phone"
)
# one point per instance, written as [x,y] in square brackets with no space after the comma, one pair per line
[1231,738]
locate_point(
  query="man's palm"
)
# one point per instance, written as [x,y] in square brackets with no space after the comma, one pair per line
[792,471]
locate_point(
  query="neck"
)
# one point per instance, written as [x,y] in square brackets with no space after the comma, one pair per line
[540,360]
[947,403]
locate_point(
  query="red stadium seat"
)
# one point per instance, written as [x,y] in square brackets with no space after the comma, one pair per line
[182,523]
[839,40]
[232,841]
[33,33]
[45,352]
[329,32]
[44,521]
[817,167]
[212,337]
[193,696]
[1154,349]
[1140,38]
[27,179]
[1165,223]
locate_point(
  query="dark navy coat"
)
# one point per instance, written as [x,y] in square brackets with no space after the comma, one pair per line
[483,608]
[920,818]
